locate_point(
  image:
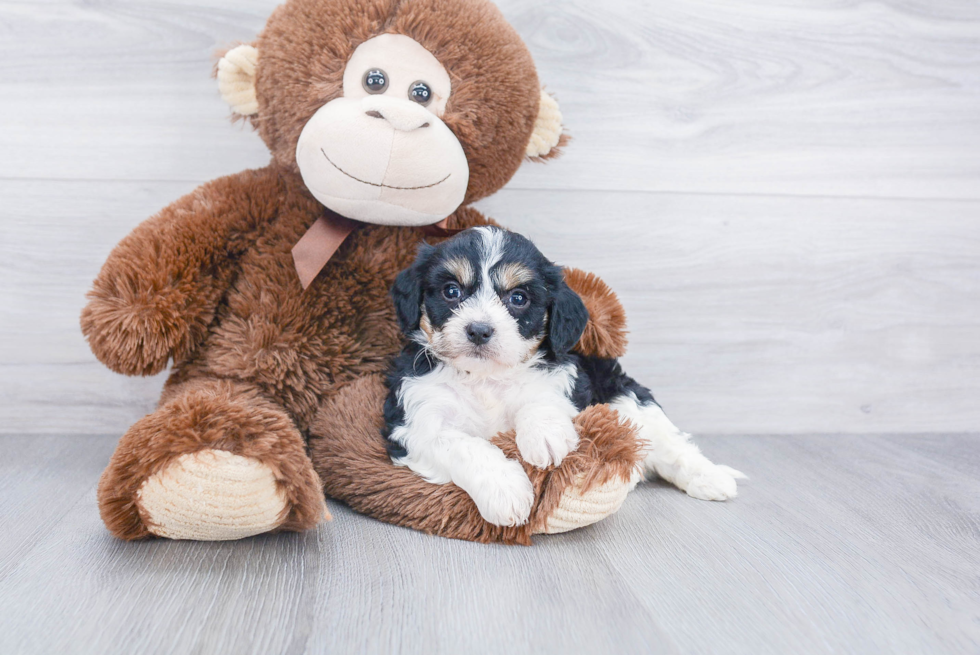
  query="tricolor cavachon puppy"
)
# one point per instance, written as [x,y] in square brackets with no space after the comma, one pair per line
[491,324]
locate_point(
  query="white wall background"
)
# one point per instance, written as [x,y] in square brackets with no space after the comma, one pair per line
[786,195]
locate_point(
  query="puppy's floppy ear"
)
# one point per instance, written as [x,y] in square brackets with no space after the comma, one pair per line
[567,321]
[407,291]
[407,294]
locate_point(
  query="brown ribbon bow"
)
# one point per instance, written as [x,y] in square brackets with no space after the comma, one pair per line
[315,248]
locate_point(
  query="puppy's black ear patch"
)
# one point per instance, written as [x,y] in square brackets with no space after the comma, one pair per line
[567,322]
[407,291]
[407,294]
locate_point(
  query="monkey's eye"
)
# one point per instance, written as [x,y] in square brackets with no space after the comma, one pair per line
[518,298]
[420,93]
[375,81]
[451,292]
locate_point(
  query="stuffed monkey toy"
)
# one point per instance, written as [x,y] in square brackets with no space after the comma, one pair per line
[268,289]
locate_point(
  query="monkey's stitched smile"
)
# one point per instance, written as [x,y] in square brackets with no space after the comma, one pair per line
[387,186]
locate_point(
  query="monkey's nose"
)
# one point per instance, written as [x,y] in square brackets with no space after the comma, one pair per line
[479,333]
[403,115]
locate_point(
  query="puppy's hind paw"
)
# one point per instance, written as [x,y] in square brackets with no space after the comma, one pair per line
[715,483]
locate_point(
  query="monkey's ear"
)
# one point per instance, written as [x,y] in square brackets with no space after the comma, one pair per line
[547,138]
[236,79]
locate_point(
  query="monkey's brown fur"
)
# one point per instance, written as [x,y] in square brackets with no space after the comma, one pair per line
[209,282]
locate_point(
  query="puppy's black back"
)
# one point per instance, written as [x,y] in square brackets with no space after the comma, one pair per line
[600,381]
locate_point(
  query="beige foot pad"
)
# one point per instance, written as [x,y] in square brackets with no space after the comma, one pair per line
[578,509]
[212,495]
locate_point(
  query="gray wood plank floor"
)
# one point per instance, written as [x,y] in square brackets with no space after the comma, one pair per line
[868,544]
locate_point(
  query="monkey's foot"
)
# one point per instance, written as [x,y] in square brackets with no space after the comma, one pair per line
[578,508]
[212,495]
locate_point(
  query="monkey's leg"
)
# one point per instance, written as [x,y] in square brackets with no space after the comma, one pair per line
[349,453]
[216,461]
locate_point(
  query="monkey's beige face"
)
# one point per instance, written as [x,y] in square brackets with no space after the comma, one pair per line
[381,152]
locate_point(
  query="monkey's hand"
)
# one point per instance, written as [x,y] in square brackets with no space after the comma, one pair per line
[134,329]
[157,293]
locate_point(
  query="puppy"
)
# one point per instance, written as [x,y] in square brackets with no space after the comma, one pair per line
[490,325]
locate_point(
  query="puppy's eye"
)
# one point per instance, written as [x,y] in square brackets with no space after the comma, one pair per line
[420,93]
[375,81]
[451,292]
[518,298]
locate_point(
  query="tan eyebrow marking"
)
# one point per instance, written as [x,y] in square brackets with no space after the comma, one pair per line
[462,270]
[508,276]
[426,325]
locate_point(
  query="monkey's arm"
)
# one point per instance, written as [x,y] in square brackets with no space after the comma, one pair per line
[157,292]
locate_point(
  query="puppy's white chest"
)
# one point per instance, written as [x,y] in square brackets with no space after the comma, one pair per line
[482,407]
[488,406]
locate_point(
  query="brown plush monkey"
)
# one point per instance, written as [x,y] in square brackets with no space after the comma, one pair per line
[392,114]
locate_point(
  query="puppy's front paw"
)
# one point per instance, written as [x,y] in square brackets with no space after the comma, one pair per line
[546,438]
[505,496]
[717,482]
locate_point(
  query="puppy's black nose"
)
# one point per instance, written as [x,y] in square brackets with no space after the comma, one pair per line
[479,333]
